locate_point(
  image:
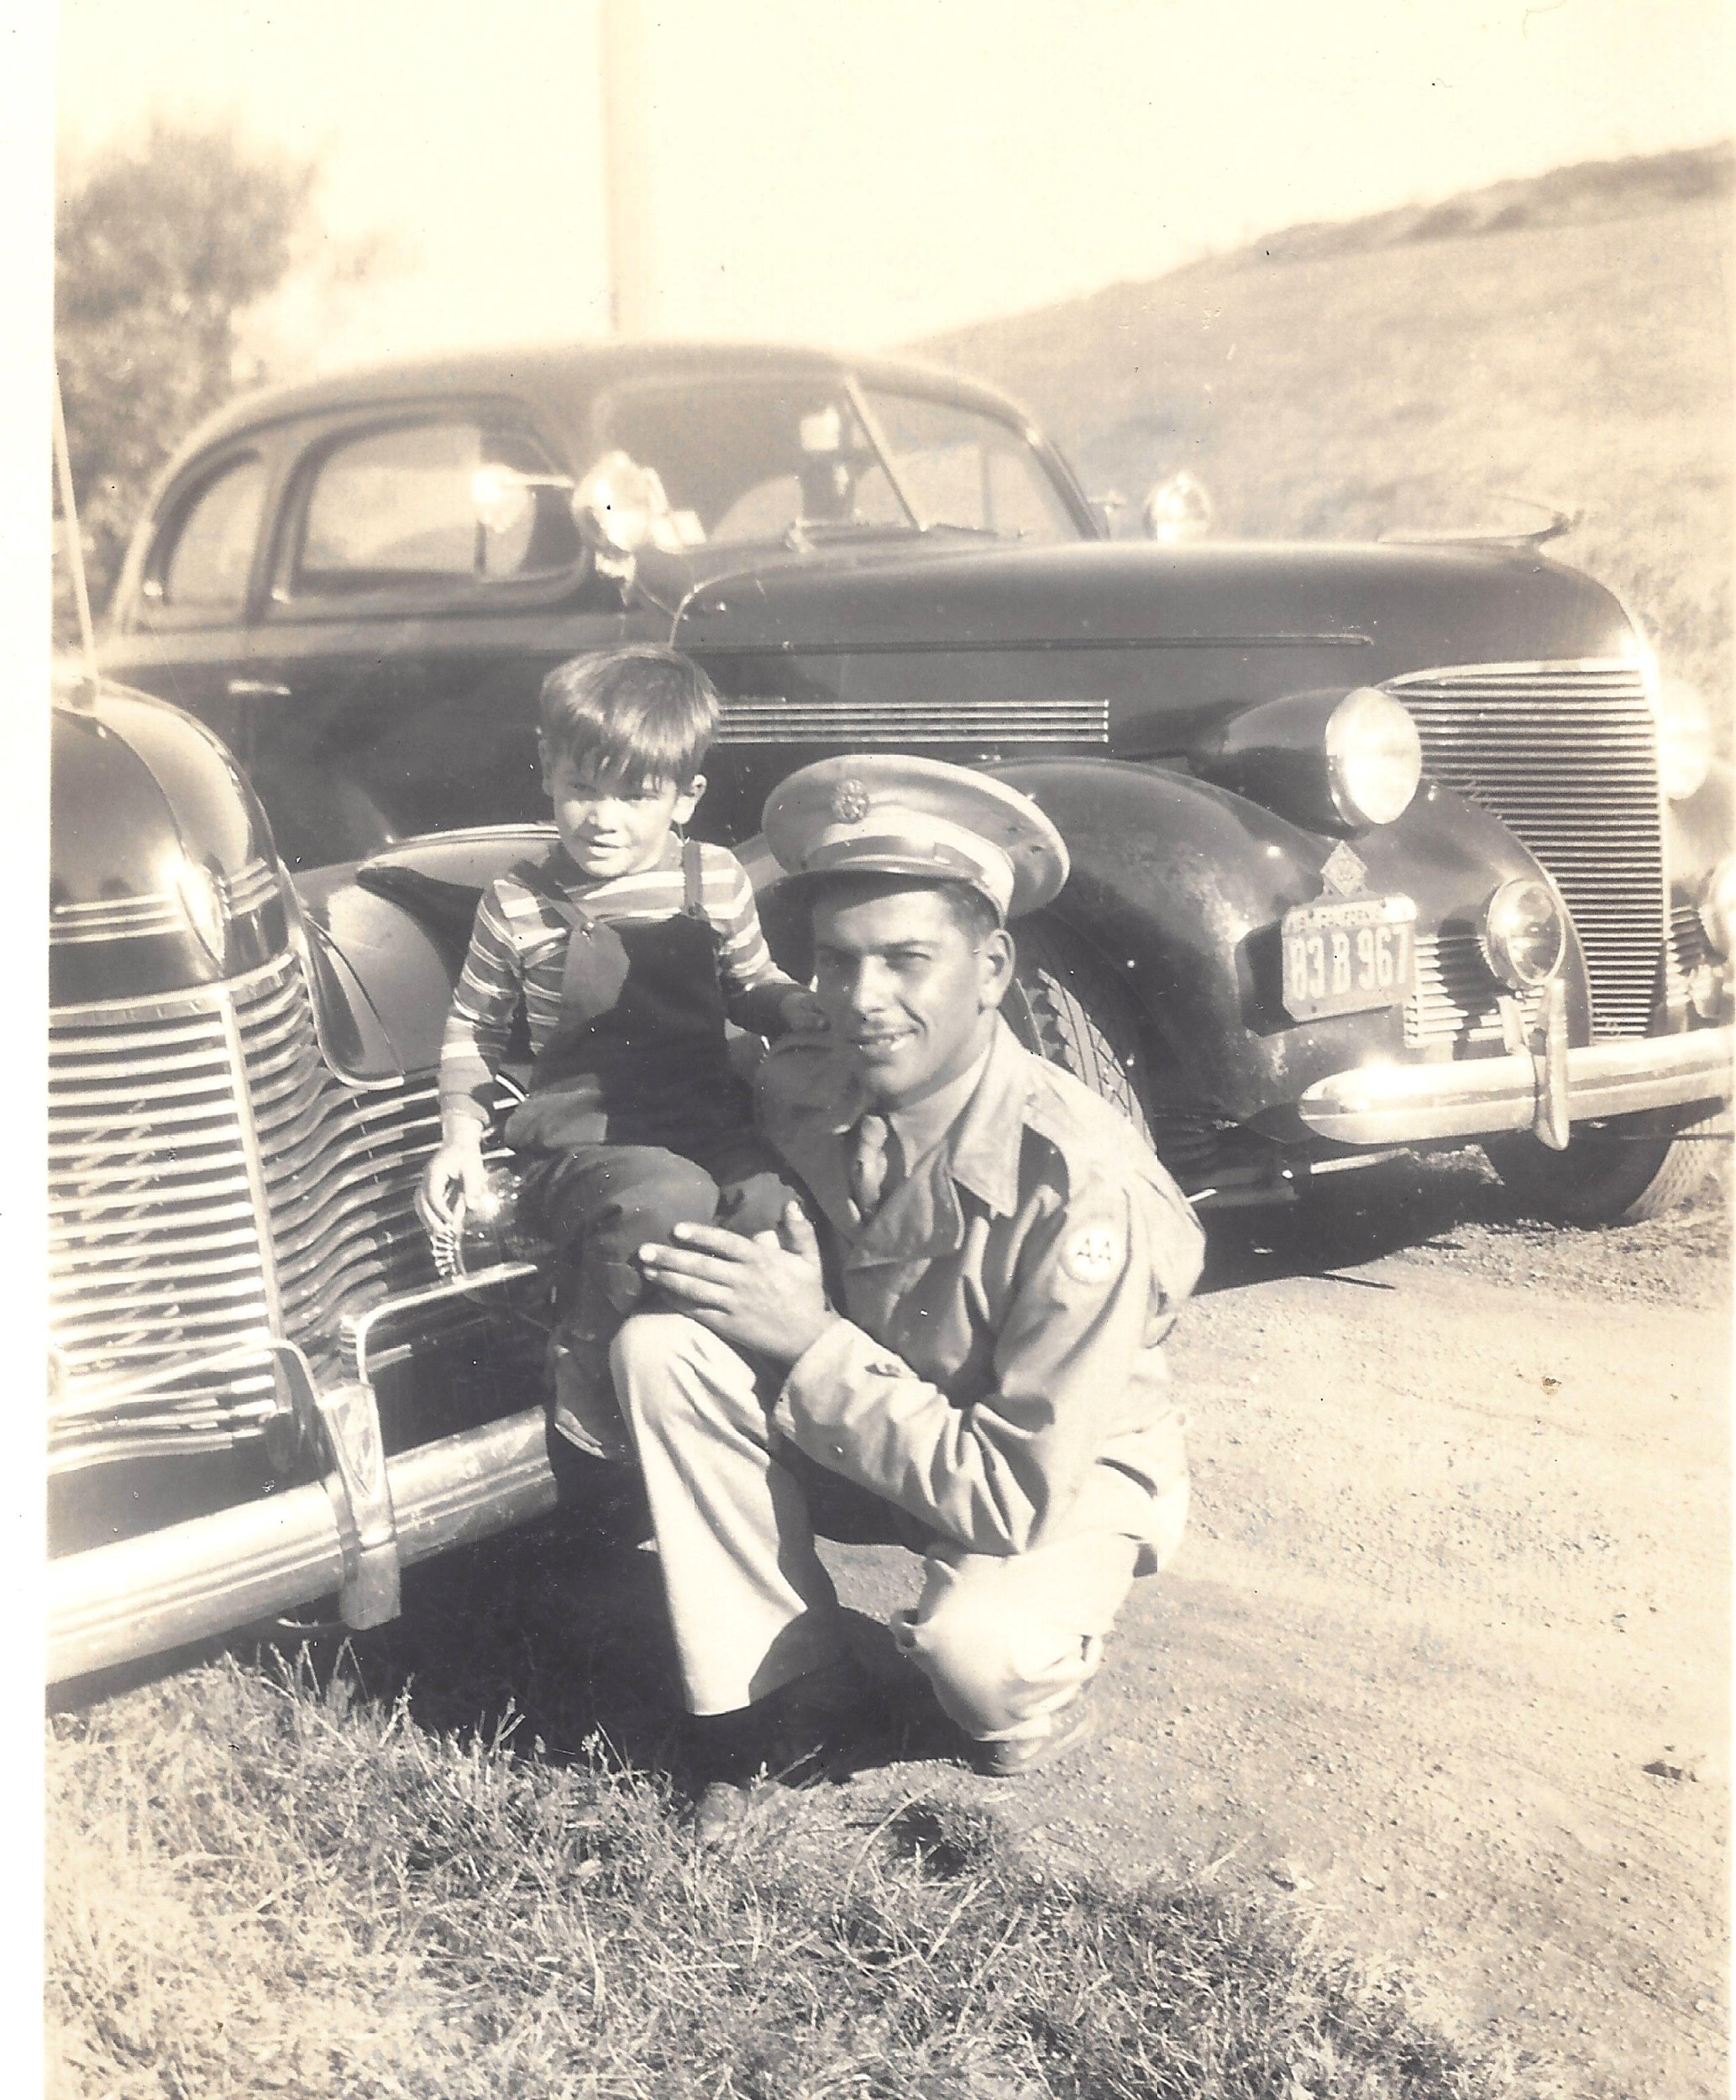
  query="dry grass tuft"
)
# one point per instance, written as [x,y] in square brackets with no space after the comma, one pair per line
[263,1883]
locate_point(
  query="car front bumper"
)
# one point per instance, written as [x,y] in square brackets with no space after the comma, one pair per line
[1542,1090]
[349,1533]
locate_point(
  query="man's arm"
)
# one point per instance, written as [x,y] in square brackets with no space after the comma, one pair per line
[993,1474]
[1094,1288]
[756,995]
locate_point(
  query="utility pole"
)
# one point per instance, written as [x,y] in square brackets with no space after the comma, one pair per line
[626,166]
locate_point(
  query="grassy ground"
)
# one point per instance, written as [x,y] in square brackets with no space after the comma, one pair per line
[455,1865]
[260,1883]
[1339,395]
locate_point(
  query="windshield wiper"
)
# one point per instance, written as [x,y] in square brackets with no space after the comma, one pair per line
[803,532]
[976,532]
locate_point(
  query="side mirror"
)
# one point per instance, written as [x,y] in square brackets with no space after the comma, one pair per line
[524,523]
[1177,510]
[621,506]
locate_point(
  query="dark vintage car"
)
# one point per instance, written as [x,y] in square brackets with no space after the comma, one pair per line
[1371,846]
[267,1386]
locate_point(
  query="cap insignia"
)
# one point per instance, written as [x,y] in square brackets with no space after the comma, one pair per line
[850,801]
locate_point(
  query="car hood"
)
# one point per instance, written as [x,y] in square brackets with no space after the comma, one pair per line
[1395,607]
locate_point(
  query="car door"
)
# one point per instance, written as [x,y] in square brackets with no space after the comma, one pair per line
[423,573]
[184,634]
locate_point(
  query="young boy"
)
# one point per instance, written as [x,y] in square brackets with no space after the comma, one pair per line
[628,946]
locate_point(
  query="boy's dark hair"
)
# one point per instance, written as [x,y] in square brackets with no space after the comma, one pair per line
[630,716]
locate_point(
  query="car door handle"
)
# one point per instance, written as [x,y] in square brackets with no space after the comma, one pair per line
[256,689]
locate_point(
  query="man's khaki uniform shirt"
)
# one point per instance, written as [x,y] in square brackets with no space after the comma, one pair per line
[996,1373]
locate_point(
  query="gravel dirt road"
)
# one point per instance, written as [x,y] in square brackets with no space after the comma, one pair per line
[1445,1656]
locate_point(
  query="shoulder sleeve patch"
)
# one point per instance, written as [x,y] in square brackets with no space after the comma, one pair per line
[1094,1254]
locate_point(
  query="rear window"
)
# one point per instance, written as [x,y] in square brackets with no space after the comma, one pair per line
[197,574]
[435,506]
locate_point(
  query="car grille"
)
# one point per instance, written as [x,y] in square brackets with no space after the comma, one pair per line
[1565,755]
[1455,1001]
[174,1128]
[755,718]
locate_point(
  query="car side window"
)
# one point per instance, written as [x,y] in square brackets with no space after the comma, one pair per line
[430,507]
[198,572]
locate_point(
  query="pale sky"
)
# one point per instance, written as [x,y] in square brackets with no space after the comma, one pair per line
[866,170]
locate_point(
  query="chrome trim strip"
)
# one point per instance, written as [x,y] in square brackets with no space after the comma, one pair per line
[157,911]
[770,718]
[1027,645]
[184,1005]
[1399,1104]
[1572,666]
[114,919]
[357,1331]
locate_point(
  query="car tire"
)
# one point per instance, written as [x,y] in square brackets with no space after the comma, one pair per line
[1613,1174]
[1066,1005]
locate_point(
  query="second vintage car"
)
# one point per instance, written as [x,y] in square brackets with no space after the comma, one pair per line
[1373,845]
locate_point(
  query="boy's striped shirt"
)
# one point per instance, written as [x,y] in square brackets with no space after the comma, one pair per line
[518,948]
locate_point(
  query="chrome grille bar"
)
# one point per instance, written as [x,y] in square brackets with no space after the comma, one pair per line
[1565,755]
[1455,1000]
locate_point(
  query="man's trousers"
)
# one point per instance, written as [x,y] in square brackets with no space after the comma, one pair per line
[1007,1640]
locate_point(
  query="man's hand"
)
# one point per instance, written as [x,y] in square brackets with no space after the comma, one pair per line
[765,1293]
[801,1014]
[456,1179]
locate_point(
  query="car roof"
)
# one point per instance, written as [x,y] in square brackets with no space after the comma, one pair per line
[550,376]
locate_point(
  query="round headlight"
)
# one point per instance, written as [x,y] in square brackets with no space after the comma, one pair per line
[490,1231]
[1523,934]
[1684,740]
[1717,907]
[1374,757]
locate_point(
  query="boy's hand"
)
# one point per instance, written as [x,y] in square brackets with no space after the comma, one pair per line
[765,1293]
[801,1014]
[457,1177]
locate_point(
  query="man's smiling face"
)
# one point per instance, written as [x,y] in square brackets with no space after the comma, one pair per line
[904,984]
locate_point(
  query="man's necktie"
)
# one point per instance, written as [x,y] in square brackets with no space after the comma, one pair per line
[868,1163]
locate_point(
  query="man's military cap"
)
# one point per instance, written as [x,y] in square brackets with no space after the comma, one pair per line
[881,813]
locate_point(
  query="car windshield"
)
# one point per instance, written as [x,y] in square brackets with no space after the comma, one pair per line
[802,459]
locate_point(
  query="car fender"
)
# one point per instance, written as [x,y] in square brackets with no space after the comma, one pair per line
[1179,886]
[390,932]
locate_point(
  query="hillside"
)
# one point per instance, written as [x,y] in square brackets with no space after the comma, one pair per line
[1565,338]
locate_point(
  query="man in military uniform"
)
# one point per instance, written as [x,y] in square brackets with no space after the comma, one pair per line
[974,1346]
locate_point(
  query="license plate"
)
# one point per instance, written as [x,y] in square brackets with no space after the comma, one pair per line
[1346,955]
